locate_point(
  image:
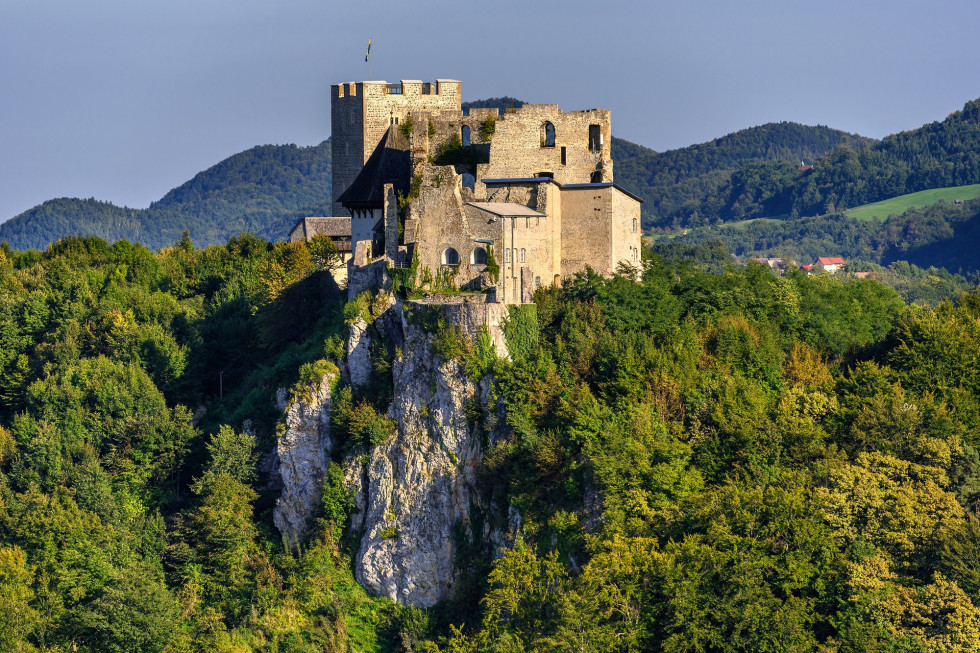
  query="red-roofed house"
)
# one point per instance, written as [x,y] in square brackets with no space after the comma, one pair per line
[830,263]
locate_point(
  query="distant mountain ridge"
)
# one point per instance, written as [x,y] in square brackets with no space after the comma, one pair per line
[262,190]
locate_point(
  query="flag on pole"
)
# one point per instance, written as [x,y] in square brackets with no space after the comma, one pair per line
[367,55]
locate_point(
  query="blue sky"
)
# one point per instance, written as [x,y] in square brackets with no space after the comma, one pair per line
[122,100]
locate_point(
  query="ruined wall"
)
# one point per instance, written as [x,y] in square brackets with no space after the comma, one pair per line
[441,221]
[517,150]
[361,112]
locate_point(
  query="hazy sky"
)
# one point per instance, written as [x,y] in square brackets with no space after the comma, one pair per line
[125,99]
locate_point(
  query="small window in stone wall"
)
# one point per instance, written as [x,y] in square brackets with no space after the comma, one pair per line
[507,255]
[537,281]
[479,256]
[466,135]
[522,255]
[547,135]
[450,256]
[634,225]
[564,157]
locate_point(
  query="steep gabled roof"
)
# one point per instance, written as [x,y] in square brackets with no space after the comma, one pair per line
[386,165]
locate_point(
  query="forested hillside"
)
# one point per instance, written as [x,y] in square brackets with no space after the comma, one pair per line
[262,191]
[936,155]
[695,461]
[942,235]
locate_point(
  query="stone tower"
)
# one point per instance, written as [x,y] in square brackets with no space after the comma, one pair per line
[361,112]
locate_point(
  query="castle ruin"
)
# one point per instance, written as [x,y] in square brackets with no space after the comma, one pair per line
[497,202]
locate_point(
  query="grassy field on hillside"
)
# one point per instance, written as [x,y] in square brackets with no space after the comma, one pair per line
[900,204]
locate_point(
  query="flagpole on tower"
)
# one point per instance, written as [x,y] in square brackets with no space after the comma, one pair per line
[367,58]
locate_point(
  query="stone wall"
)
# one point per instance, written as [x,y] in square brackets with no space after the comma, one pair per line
[625,228]
[442,221]
[347,138]
[586,234]
[471,315]
[529,249]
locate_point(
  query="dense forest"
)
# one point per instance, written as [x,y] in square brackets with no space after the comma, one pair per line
[704,457]
[263,190]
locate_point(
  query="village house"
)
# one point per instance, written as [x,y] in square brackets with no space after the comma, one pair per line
[830,264]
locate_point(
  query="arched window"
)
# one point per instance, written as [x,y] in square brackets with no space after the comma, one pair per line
[522,254]
[507,255]
[547,135]
[466,135]
[450,256]
[479,256]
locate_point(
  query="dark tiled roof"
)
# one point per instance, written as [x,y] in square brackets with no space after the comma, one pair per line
[316,226]
[386,165]
[519,180]
[604,184]
[538,180]
[507,209]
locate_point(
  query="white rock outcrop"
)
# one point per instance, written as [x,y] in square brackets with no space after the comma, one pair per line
[420,484]
[303,450]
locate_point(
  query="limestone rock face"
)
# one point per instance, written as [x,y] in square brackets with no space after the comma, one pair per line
[358,361]
[303,453]
[420,485]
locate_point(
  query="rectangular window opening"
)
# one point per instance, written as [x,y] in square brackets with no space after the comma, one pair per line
[595,138]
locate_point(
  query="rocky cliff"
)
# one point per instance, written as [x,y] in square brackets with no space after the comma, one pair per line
[420,487]
[415,493]
[303,451]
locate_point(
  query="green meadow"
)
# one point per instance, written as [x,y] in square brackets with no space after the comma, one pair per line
[902,203]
